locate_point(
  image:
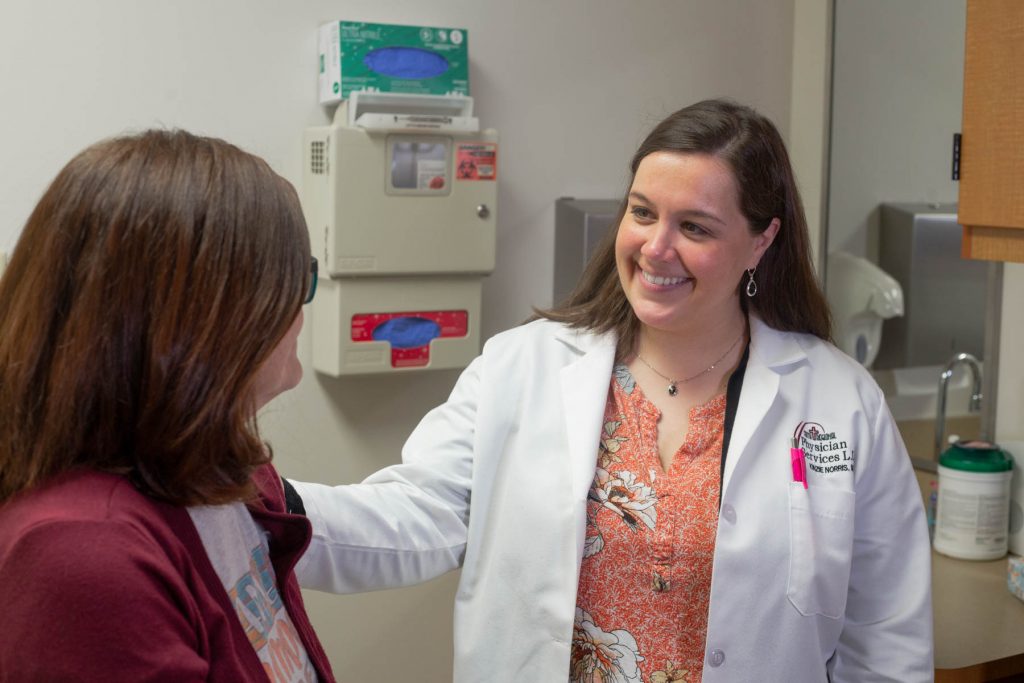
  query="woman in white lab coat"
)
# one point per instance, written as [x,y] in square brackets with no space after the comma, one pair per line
[672,477]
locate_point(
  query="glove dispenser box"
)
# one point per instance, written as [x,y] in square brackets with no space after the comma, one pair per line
[400,199]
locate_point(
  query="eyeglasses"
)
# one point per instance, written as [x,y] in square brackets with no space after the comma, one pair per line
[312,280]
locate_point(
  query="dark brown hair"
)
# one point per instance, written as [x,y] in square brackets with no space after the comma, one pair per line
[148,286]
[789,297]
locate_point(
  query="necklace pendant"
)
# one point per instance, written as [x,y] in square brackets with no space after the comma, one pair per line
[672,391]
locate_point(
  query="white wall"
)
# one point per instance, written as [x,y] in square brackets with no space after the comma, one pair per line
[1010,393]
[571,85]
[896,102]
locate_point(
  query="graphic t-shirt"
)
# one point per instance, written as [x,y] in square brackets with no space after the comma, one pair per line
[240,554]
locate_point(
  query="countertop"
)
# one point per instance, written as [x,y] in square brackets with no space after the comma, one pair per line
[979,624]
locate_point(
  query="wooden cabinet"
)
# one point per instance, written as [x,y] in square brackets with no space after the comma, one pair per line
[992,153]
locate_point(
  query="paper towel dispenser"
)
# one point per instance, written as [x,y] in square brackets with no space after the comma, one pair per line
[580,224]
[944,295]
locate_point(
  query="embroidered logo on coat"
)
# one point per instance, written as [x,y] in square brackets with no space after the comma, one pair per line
[824,452]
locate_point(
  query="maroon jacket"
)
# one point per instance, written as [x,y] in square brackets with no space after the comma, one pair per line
[99,582]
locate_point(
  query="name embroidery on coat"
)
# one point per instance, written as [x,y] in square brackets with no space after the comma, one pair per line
[825,452]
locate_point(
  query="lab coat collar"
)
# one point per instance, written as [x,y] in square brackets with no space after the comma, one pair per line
[585,381]
[774,349]
[584,341]
[584,384]
[771,352]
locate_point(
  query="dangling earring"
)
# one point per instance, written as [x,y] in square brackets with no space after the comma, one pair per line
[751,285]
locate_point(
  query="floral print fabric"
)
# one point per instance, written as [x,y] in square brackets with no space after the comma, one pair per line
[645,581]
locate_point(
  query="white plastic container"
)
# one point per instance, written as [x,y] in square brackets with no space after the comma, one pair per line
[972,519]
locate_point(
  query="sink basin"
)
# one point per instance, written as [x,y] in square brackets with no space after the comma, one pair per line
[913,393]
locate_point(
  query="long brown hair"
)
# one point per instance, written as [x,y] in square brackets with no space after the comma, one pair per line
[152,280]
[789,297]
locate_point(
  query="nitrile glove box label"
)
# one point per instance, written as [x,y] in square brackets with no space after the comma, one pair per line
[421,60]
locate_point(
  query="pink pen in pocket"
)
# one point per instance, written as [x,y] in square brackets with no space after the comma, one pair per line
[798,462]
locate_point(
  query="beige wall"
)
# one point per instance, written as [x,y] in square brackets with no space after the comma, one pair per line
[571,85]
[809,112]
[1010,398]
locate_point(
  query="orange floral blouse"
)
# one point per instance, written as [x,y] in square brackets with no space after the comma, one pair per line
[645,581]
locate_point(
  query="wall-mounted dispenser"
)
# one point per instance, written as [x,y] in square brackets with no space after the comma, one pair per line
[919,245]
[861,296]
[400,198]
[580,225]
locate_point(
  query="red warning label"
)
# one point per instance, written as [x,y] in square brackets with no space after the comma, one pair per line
[476,161]
[407,348]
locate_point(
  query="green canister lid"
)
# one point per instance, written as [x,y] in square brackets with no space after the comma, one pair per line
[976,456]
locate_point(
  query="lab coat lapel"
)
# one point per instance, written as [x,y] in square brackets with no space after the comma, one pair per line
[770,350]
[584,393]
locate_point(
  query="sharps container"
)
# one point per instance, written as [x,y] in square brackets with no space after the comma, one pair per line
[972,519]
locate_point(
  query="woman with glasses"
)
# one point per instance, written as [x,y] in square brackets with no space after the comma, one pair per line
[150,308]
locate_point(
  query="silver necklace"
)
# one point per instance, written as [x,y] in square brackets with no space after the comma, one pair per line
[672,389]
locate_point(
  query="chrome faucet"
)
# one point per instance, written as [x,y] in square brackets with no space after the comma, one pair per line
[973,406]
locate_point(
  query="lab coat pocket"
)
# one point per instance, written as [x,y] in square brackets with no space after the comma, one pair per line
[820,544]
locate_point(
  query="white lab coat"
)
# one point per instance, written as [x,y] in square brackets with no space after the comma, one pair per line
[831,581]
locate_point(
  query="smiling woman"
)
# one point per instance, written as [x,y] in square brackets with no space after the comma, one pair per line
[683,243]
[662,534]
[730,168]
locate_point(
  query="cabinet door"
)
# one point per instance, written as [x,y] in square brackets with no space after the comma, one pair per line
[992,160]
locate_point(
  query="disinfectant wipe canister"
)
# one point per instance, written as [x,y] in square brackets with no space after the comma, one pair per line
[974,501]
